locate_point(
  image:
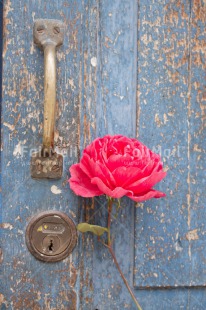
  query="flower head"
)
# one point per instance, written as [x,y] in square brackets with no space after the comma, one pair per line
[117,166]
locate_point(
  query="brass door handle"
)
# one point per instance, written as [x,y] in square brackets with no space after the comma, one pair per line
[48,34]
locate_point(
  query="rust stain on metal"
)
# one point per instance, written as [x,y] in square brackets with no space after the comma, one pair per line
[46,167]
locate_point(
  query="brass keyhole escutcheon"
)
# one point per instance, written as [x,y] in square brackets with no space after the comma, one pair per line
[51,236]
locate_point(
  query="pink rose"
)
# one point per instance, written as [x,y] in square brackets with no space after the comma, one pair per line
[117,166]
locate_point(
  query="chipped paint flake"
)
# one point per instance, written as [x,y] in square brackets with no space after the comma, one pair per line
[73,214]
[55,190]
[71,83]
[94,61]
[6,226]
[119,96]
[192,235]
[19,149]
[157,120]
[10,126]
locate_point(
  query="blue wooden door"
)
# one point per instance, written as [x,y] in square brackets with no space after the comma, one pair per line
[130,67]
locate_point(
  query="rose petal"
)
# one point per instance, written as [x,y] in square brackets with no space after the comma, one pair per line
[85,165]
[81,184]
[147,183]
[118,192]
[152,166]
[117,166]
[97,169]
[102,187]
[151,194]
[117,160]
[124,176]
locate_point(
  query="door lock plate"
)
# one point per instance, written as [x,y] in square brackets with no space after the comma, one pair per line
[51,236]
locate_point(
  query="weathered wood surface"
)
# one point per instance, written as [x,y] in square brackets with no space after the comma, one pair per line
[170,81]
[170,233]
[28,283]
[109,108]
[97,77]
[1,40]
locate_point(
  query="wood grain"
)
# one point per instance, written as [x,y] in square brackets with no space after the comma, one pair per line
[130,67]
[171,83]
[28,283]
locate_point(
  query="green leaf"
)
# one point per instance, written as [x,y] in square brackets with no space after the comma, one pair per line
[97,230]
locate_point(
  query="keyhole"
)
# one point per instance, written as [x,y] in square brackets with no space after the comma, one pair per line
[51,246]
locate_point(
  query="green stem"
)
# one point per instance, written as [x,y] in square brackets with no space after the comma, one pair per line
[118,208]
[109,246]
[110,202]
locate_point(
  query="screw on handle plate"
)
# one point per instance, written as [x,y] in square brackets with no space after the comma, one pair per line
[48,35]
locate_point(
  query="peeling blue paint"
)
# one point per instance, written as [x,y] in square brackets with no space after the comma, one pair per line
[130,67]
